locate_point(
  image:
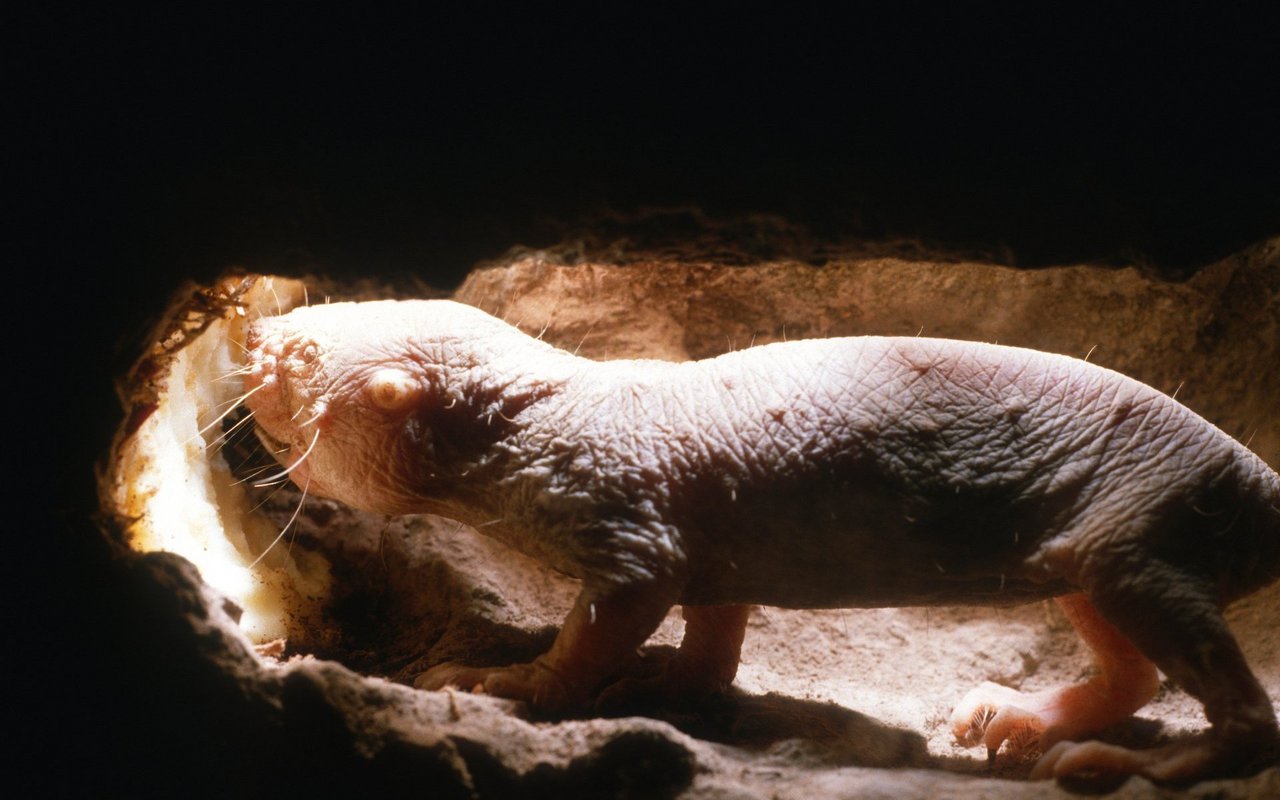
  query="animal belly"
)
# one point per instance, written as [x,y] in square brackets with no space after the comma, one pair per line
[861,583]
[872,548]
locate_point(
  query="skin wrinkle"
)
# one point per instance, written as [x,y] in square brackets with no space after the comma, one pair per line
[712,414]
[1156,452]
[730,446]
[822,473]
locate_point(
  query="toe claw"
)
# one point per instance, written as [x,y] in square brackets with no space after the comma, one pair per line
[994,716]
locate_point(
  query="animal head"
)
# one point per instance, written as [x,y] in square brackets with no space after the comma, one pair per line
[367,403]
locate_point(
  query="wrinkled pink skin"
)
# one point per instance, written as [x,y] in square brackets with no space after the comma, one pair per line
[853,472]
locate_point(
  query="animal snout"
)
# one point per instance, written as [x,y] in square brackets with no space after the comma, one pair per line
[263,360]
[275,367]
[275,356]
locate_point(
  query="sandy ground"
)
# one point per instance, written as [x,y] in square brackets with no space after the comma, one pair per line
[816,691]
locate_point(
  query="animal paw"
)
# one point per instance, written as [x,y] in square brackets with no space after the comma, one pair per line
[667,685]
[995,715]
[534,683]
[1172,763]
[1208,755]
[1030,723]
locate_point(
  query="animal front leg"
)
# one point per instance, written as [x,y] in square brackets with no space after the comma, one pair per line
[1030,723]
[705,664]
[603,629]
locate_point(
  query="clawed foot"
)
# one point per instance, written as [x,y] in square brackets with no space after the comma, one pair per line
[660,686]
[1174,763]
[1042,724]
[995,715]
[669,684]
[1028,724]
[534,683]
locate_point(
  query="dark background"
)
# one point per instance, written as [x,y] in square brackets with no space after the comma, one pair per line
[171,144]
[159,145]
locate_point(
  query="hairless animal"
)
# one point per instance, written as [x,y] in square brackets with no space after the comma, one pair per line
[825,473]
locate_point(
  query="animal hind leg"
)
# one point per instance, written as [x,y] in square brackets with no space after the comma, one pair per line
[1174,619]
[1027,723]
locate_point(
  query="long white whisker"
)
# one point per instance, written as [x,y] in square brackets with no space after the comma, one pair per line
[295,464]
[240,398]
[253,473]
[259,470]
[270,496]
[245,370]
[286,527]
[276,482]
[226,435]
[234,405]
[584,338]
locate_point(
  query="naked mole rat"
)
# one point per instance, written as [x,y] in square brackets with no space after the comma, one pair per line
[851,472]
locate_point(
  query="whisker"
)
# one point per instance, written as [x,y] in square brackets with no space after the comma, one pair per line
[584,338]
[286,527]
[295,464]
[274,481]
[226,435]
[245,370]
[312,419]
[234,405]
[248,473]
[269,497]
[255,472]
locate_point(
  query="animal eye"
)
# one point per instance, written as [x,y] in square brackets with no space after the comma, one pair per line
[392,389]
